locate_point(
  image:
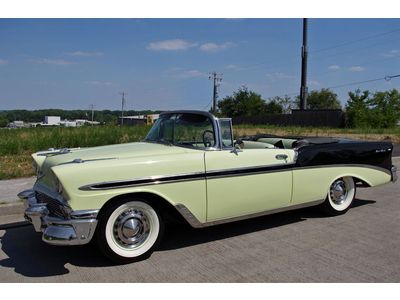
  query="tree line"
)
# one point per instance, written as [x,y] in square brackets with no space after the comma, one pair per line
[103,116]
[363,108]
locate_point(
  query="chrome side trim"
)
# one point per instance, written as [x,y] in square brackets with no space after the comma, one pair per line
[106,185]
[394,173]
[344,165]
[213,174]
[194,222]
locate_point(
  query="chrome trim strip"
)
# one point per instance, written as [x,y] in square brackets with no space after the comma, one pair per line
[194,222]
[344,165]
[144,181]
[394,173]
[214,174]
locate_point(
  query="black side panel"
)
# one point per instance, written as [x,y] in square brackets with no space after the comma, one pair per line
[371,153]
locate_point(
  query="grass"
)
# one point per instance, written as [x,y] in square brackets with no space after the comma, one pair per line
[17,145]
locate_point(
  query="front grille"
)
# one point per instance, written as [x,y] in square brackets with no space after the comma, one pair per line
[55,208]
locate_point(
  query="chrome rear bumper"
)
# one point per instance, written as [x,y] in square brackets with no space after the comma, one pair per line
[394,173]
[76,230]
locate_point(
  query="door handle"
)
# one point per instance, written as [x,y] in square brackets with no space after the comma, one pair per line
[281,156]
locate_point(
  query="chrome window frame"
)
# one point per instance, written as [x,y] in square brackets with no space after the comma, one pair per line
[221,146]
[216,127]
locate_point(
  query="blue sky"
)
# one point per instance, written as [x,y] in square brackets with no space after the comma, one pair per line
[164,63]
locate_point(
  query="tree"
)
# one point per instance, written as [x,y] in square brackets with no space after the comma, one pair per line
[381,110]
[286,103]
[273,107]
[357,109]
[323,99]
[385,109]
[3,122]
[243,103]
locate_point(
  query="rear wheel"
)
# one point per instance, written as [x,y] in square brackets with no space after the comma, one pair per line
[129,231]
[341,194]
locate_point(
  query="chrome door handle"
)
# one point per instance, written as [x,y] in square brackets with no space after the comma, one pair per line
[281,156]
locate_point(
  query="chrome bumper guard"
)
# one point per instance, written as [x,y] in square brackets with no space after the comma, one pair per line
[77,230]
[394,173]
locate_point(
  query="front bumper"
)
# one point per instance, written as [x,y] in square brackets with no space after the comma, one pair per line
[394,173]
[78,229]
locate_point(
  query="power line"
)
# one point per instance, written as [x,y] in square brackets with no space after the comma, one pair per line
[274,61]
[387,78]
[355,41]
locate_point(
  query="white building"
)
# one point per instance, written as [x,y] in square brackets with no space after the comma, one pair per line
[16,124]
[52,120]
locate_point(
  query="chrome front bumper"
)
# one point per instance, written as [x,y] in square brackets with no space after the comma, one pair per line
[76,230]
[394,173]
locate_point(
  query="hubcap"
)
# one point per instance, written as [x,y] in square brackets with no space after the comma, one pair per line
[131,228]
[338,191]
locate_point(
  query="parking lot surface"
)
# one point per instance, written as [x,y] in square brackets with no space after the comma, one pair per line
[299,246]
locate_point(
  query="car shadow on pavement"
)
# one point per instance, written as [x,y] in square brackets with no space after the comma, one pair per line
[31,257]
[185,236]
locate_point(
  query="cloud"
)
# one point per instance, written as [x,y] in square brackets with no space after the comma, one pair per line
[213,47]
[313,83]
[57,62]
[170,45]
[392,53]
[85,54]
[186,74]
[3,62]
[279,76]
[334,67]
[233,67]
[99,83]
[356,69]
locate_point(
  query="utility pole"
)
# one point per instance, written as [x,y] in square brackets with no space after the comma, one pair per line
[304,56]
[122,108]
[92,106]
[216,78]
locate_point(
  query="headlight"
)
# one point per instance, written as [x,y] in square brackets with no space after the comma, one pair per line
[57,184]
[35,167]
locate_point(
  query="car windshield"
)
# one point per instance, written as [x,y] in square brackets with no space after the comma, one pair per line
[183,129]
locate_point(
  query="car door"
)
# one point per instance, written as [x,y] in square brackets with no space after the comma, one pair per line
[247,181]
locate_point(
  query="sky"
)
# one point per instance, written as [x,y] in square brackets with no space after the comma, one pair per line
[165,63]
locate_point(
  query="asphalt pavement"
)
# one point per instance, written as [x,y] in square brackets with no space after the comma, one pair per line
[299,246]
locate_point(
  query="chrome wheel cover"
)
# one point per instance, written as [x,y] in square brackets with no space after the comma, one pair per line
[341,193]
[131,228]
[338,191]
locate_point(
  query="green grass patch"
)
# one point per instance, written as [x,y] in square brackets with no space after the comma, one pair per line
[16,145]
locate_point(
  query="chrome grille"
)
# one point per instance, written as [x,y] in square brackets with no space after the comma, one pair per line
[54,207]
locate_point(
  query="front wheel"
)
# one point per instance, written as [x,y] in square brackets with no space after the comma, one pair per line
[341,194]
[129,231]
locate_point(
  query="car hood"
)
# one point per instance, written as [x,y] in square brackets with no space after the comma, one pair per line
[128,150]
[48,159]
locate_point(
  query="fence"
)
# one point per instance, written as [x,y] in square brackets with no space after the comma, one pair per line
[321,118]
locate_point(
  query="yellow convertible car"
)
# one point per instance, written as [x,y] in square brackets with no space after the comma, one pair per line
[190,167]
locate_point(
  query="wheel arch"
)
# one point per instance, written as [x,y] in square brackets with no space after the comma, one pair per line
[166,208]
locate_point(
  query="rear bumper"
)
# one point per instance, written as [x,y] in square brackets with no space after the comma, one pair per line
[394,173]
[76,230]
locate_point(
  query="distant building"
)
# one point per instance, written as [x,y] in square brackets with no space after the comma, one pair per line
[138,120]
[16,124]
[67,123]
[52,120]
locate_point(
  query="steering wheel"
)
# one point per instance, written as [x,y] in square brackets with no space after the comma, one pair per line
[207,140]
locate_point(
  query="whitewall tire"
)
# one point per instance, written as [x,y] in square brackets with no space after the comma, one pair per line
[340,196]
[129,230]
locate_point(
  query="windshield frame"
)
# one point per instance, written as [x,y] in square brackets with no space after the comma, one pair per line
[215,126]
